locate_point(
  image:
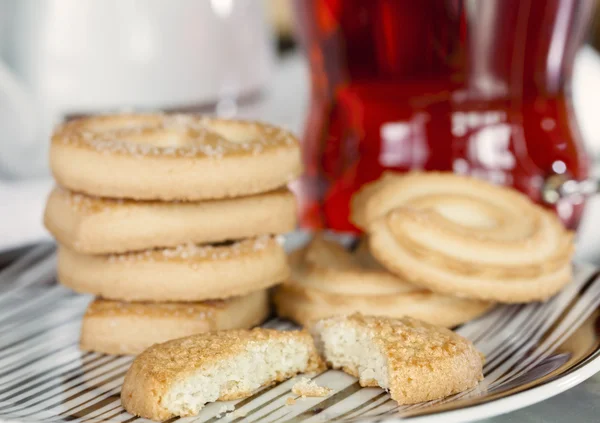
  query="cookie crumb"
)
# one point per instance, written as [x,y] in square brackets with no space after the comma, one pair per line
[239,413]
[224,409]
[309,388]
[290,401]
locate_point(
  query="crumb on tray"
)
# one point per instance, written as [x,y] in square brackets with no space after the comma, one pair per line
[308,388]
[224,409]
[239,413]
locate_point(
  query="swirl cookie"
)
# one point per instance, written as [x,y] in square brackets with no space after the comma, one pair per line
[172,157]
[184,273]
[327,280]
[465,237]
[95,225]
[413,360]
[178,377]
[116,327]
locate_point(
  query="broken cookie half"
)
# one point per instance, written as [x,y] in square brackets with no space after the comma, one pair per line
[178,377]
[413,360]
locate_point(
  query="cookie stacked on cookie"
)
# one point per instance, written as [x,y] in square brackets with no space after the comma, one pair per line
[329,280]
[172,220]
[464,237]
[438,247]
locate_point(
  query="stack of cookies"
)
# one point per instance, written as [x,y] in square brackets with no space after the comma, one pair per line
[172,221]
[438,247]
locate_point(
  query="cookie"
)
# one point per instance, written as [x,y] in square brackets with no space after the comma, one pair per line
[414,361]
[327,280]
[178,377]
[116,327]
[172,157]
[95,225]
[183,273]
[465,237]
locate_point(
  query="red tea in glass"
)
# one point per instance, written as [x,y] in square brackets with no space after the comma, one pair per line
[479,87]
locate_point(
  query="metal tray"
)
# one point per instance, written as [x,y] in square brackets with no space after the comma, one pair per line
[533,352]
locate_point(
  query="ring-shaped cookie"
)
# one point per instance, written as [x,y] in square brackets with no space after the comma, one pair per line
[327,280]
[172,157]
[465,237]
[117,327]
[96,225]
[183,273]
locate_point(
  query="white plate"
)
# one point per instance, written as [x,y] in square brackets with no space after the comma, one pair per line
[533,352]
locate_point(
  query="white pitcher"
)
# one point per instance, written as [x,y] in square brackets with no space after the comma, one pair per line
[70,57]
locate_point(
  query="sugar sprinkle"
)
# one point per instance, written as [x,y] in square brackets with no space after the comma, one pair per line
[192,251]
[188,136]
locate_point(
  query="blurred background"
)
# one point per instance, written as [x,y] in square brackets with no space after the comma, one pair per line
[505,90]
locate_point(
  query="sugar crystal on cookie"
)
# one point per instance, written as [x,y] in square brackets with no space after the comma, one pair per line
[191,136]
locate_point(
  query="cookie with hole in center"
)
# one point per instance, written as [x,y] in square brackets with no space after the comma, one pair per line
[118,327]
[98,225]
[172,157]
[329,280]
[465,237]
[184,273]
